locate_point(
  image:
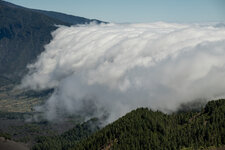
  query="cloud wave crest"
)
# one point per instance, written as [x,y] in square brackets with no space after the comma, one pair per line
[114,68]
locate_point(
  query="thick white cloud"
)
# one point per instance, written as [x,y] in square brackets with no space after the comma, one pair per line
[114,68]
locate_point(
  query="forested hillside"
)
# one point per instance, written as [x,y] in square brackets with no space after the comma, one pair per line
[146,129]
[69,138]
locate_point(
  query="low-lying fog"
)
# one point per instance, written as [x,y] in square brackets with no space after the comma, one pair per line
[110,69]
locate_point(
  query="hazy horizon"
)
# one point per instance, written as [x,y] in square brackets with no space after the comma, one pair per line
[143,11]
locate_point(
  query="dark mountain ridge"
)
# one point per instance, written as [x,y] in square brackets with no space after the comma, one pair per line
[23,34]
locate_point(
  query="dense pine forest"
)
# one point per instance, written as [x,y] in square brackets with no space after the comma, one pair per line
[68,139]
[146,129]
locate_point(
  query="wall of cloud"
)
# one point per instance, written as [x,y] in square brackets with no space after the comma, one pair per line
[110,69]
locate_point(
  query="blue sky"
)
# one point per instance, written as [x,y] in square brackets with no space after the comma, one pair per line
[133,11]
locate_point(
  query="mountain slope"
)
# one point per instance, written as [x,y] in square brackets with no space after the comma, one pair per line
[23,34]
[145,129]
